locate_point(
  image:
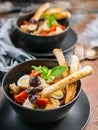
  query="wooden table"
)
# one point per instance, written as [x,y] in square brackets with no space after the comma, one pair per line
[90,86]
[84,14]
[87,39]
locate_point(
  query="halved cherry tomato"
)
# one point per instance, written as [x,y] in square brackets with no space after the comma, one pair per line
[44,33]
[26,22]
[53,28]
[42,102]
[34,73]
[21,97]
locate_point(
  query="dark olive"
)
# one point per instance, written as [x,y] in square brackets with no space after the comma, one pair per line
[38,89]
[34,81]
[33,98]
[31,90]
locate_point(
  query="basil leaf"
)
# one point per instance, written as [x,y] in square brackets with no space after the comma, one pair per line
[51,23]
[49,78]
[51,19]
[58,70]
[54,16]
[43,70]
[36,68]
[49,75]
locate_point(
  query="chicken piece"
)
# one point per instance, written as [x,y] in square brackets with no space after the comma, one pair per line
[28,104]
[24,28]
[53,103]
[59,30]
[14,89]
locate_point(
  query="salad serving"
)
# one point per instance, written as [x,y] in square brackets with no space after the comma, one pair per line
[28,87]
[45,21]
[49,88]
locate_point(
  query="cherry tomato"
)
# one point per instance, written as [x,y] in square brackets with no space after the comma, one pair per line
[26,22]
[53,28]
[34,73]
[21,97]
[42,102]
[44,33]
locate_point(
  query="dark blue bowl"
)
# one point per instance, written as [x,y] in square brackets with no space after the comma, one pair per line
[35,115]
[40,43]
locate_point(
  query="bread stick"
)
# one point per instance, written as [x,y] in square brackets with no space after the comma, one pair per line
[63,15]
[67,80]
[51,11]
[71,89]
[40,11]
[61,59]
[58,12]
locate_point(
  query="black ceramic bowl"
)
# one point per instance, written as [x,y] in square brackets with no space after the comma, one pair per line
[40,43]
[35,115]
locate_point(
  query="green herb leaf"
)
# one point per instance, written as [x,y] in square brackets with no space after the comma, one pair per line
[49,75]
[51,23]
[51,19]
[54,16]
[37,68]
[58,70]
[43,70]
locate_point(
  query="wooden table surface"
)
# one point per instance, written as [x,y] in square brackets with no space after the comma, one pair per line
[84,21]
[90,86]
[85,25]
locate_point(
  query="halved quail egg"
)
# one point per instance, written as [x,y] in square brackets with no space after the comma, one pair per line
[23,81]
[32,27]
[58,95]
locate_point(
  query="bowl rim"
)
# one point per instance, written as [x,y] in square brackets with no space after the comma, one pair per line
[43,110]
[67,28]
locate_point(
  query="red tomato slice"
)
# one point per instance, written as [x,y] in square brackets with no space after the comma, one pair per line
[44,33]
[53,28]
[26,22]
[41,102]
[34,73]
[21,97]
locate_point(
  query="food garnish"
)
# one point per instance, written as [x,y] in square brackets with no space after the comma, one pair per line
[50,75]
[49,88]
[45,21]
